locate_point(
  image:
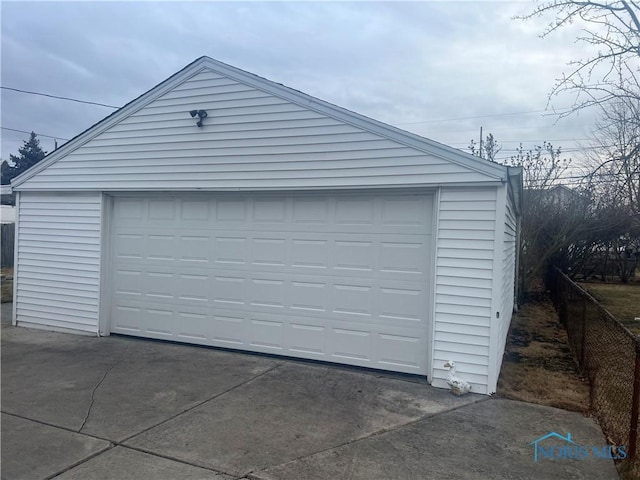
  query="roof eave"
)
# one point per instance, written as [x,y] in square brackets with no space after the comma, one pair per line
[409,139]
[492,170]
[515,179]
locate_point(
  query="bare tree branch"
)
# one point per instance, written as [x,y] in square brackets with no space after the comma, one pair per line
[612,28]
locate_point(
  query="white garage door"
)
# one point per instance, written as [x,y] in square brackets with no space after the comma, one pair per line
[340,278]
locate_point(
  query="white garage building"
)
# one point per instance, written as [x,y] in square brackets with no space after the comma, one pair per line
[282,224]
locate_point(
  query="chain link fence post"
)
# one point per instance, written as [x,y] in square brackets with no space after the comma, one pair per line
[633,430]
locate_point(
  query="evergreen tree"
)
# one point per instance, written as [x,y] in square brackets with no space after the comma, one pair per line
[30,154]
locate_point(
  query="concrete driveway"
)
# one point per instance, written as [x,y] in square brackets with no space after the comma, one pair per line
[76,407]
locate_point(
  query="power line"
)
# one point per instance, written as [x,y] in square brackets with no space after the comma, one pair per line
[38,134]
[479,116]
[562,150]
[58,97]
[406,123]
[528,141]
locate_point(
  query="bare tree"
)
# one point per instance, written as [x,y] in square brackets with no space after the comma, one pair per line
[487,149]
[553,216]
[542,166]
[614,156]
[614,182]
[613,29]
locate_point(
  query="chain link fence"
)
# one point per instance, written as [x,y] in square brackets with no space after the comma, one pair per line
[7,236]
[609,356]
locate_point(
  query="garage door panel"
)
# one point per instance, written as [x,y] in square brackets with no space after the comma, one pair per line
[354,255]
[267,292]
[403,256]
[352,299]
[400,212]
[127,282]
[160,247]
[161,209]
[269,251]
[194,211]
[130,245]
[348,213]
[128,210]
[367,344]
[228,330]
[391,257]
[195,249]
[160,285]
[306,338]
[228,290]
[160,322]
[354,211]
[401,303]
[230,249]
[399,350]
[309,296]
[192,325]
[393,302]
[266,334]
[309,253]
[231,211]
[324,276]
[126,319]
[351,344]
[269,210]
[342,279]
[193,288]
[309,211]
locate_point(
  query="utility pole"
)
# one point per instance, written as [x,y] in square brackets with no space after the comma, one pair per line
[481,155]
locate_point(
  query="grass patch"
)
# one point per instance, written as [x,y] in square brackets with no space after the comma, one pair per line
[622,300]
[6,285]
[538,365]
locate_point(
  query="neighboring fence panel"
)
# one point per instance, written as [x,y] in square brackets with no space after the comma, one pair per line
[609,355]
[7,239]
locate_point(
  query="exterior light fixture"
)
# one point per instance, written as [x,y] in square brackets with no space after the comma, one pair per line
[202,114]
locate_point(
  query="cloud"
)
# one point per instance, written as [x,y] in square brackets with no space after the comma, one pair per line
[396,62]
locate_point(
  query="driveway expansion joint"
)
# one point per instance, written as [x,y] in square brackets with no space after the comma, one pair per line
[173,459]
[80,462]
[217,395]
[251,476]
[53,425]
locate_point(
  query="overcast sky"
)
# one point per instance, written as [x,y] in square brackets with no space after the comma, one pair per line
[427,67]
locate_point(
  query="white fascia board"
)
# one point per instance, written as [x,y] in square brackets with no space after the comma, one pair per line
[486,167]
[492,170]
[515,176]
[494,183]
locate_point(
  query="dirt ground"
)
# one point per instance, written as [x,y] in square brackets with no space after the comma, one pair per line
[6,285]
[538,365]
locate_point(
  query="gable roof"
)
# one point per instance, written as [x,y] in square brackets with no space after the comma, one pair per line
[493,171]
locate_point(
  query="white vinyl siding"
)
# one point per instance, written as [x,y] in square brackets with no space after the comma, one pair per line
[464,277]
[250,140]
[508,276]
[58,261]
[260,140]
